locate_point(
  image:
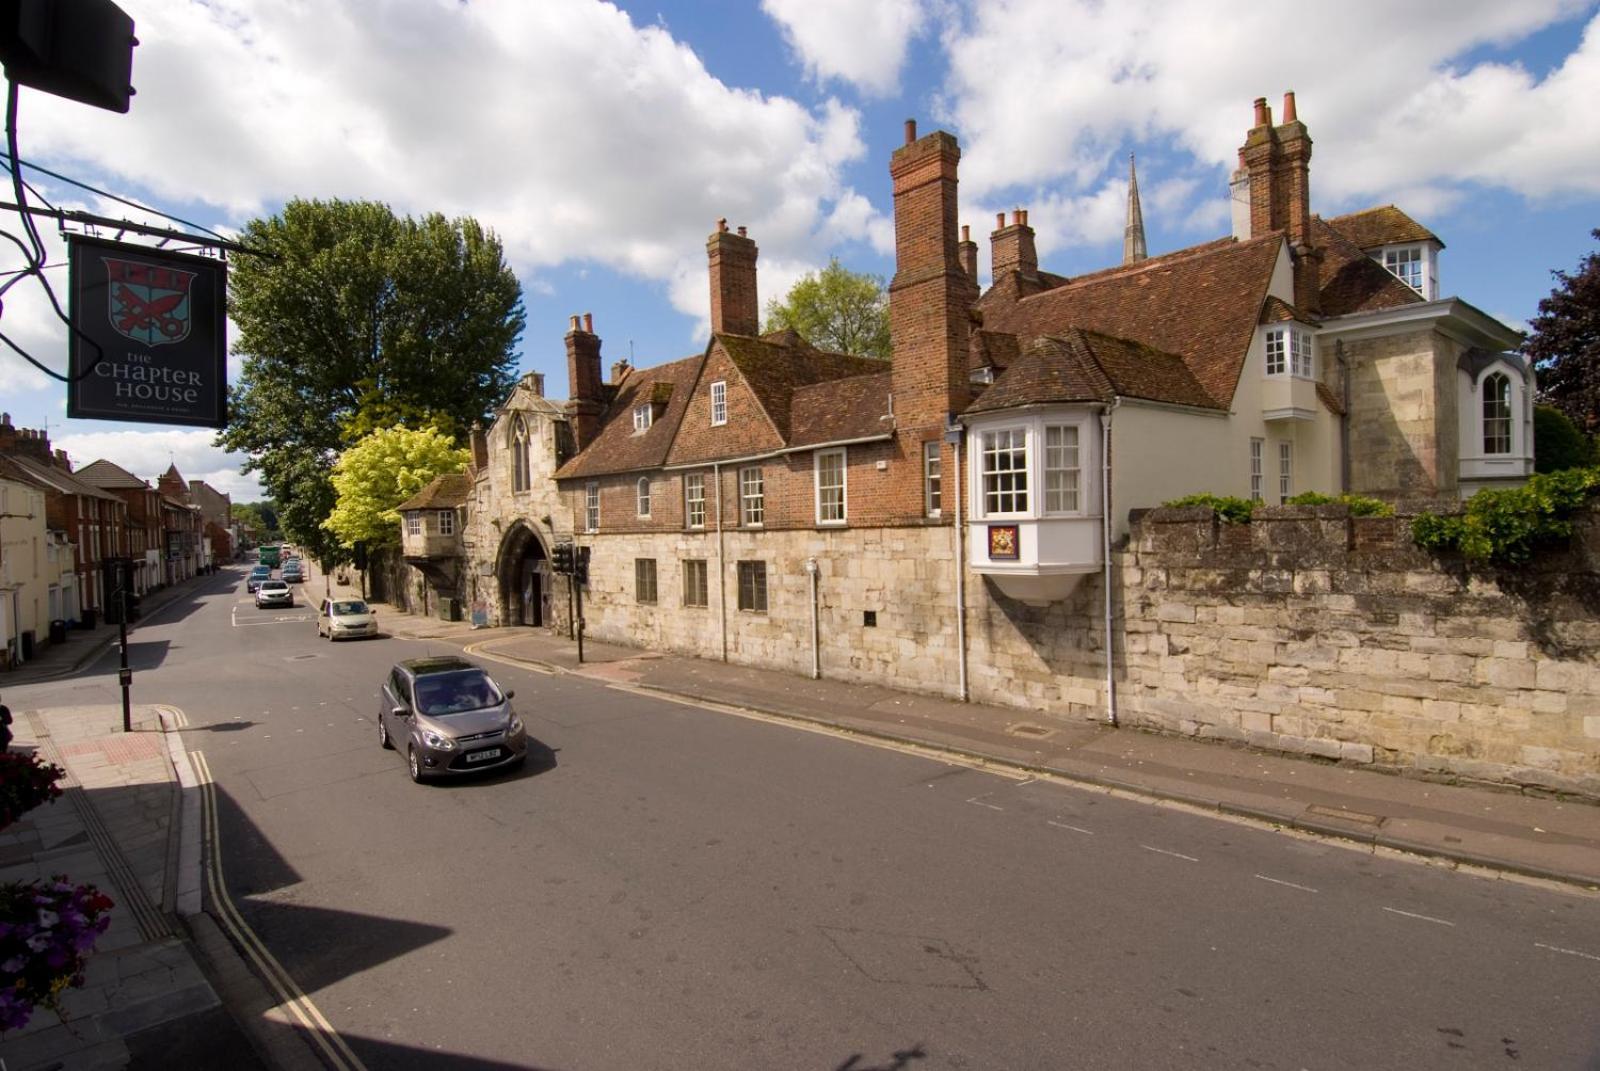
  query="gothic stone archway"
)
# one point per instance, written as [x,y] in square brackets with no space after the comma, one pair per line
[523,570]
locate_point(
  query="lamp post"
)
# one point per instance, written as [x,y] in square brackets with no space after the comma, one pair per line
[124,674]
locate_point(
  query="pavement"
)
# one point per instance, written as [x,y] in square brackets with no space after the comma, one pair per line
[154,979]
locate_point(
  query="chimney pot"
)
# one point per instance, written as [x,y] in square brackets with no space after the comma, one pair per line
[1288,107]
[722,225]
[1024,214]
[999,221]
[742,233]
[588,322]
[911,131]
[574,325]
[966,233]
[1263,113]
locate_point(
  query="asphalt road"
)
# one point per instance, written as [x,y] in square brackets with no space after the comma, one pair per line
[679,888]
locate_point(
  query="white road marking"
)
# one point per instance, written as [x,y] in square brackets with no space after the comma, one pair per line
[1075,829]
[1413,915]
[1290,884]
[1568,951]
[979,801]
[1163,851]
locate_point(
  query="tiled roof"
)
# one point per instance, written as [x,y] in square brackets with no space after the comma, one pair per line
[56,479]
[1329,400]
[841,410]
[1275,310]
[107,474]
[1350,280]
[617,447]
[1200,304]
[777,365]
[1085,366]
[1386,225]
[443,492]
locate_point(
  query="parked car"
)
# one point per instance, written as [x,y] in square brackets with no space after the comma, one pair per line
[343,619]
[450,717]
[274,593]
[258,574]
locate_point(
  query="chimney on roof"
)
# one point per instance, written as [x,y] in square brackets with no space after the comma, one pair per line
[969,254]
[618,370]
[584,389]
[25,442]
[1271,191]
[1011,248]
[735,309]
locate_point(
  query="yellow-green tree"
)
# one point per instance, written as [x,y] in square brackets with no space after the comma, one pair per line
[378,473]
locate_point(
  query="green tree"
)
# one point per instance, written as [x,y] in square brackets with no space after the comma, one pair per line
[261,516]
[381,471]
[1565,344]
[356,320]
[1557,442]
[836,309]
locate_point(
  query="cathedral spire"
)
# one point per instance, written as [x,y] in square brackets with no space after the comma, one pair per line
[1133,248]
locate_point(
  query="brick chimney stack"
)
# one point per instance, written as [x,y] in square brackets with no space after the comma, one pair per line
[930,296]
[735,309]
[1011,247]
[584,388]
[25,442]
[1275,177]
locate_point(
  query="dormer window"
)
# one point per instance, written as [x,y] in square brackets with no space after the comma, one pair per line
[1405,264]
[643,417]
[1291,352]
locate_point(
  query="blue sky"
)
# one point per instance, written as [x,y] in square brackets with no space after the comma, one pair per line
[602,142]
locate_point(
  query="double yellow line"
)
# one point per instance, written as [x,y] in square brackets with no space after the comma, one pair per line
[290,996]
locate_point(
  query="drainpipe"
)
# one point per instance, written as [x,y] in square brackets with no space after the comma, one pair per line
[1105,527]
[722,565]
[952,436]
[1344,418]
[816,635]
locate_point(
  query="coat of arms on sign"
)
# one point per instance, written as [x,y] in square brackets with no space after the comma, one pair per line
[1003,542]
[149,303]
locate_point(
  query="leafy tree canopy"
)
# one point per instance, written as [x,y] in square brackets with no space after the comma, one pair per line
[836,309]
[1565,344]
[262,516]
[1557,442]
[381,471]
[358,320]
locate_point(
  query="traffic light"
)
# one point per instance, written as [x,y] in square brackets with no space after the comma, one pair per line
[580,567]
[561,558]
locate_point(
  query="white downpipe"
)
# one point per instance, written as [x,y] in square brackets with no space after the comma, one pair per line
[1105,528]
[961,571]
[722,565]
[816,625]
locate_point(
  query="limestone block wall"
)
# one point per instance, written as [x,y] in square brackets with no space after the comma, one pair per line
[1313,631]
[1403,437]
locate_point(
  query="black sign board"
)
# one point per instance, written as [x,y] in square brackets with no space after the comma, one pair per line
[158,318]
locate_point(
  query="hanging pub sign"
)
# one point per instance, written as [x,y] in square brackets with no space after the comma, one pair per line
[158,321]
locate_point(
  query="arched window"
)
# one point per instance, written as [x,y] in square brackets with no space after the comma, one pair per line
[1497,414]
[519,455]
[644,496]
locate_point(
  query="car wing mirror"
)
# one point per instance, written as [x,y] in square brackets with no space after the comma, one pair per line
[401,712]
[511,693]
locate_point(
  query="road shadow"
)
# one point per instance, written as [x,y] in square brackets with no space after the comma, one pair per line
[541,759]
[376,1053]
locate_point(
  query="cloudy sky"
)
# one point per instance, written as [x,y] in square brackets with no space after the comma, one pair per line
[602,141]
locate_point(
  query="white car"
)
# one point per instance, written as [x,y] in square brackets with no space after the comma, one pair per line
[345,619]
[274,593]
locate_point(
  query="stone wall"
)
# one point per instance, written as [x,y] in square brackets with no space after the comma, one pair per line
[1310,630]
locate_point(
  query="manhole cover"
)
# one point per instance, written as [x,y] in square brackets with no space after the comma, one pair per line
[1037,732]
[1340,814]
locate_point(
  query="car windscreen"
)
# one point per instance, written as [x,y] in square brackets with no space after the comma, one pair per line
[456,693]
[354,606]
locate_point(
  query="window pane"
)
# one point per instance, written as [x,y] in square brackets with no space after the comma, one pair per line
[719,402]
[644,496]
[830,487]
[752,497]
[932,491]
[591,507]
[1276,364]
[1285,470]
[1005,471]
[644,579]
[1257,446]
[753,586]
[694,582]
[1497,415]
[1061,469]
[694,495]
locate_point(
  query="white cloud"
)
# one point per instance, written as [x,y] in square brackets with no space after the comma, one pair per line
[574,133]
[1048,94]
[863,44]
[147,454]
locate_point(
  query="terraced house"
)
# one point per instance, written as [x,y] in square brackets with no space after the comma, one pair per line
[948,522]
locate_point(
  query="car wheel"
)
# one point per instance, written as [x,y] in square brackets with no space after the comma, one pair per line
[383,735]
[414,764]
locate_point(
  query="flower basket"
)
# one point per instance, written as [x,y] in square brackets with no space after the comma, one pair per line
[46,930]
[25,782]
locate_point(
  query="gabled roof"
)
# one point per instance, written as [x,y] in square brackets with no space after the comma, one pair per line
[1199,304]
[1085,366]
[1385,225]
[1350,280]
[617,447]
[448,491]
[841,410]
[777,365]
[109,475]
[53,478]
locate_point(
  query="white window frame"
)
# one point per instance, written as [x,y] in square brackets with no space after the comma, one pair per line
[752,497]
[1505,400]
[719,403]
[694,500]
[447,522]
[591,506]
[932,479]
[641,491]
[413,522]
[1258,454]
[1291,351]
[1402,261]
[999,487]
[1285,471]
[696,584]
[1063,460]
[643,417]
[830,510]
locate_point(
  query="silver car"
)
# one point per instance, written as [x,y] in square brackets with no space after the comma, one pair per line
[450,717]
[344,619]
[274,593]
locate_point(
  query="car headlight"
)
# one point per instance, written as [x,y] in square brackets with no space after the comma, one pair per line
[515,728]
[437,740]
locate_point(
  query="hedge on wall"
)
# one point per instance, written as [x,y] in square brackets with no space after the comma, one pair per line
[1506,526]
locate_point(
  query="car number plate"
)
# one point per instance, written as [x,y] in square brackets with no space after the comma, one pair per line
[484,756]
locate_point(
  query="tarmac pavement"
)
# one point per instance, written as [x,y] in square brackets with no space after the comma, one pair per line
[150,995]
